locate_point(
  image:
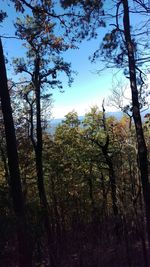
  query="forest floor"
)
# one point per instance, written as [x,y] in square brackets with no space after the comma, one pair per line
[86,248]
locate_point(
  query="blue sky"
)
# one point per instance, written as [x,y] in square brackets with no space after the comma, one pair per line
[88,88]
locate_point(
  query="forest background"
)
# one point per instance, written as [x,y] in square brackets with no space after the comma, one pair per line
[80,196]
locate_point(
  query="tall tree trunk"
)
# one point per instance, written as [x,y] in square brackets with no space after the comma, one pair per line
[90,184]
[39,163]
[104,193]
[14,173]
[112,179]
[109,162]
[142,150]
[112,176]
[4,159]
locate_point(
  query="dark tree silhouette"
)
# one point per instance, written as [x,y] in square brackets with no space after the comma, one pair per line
[13,164]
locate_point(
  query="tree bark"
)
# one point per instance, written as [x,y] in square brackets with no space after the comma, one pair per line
[142,149]
[109,162]
[112,179]
[39,162]
[13,165]
[4,159]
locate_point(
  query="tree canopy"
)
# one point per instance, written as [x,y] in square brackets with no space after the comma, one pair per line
[78,195]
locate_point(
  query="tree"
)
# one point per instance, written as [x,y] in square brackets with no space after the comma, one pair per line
[14,173]
[119,49]
[100,137]
[142,149]
[87,171]
[42,68]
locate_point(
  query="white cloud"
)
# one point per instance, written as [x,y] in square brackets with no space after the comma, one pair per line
[81,108]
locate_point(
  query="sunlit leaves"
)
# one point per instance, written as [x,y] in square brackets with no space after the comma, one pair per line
[71,119]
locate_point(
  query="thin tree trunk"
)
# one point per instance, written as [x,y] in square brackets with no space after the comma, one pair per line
[142,150]
[109,162]
[13,165]
[91,195]
[112,177]
[4,159]
[39,164]
[104,193]
[113,189]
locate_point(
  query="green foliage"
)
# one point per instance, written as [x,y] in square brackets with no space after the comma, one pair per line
[71,119]
[39,33]
[79,157]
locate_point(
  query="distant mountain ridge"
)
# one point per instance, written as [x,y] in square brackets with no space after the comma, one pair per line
[53,124]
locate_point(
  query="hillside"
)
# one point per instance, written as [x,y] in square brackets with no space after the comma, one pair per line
[52,124]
